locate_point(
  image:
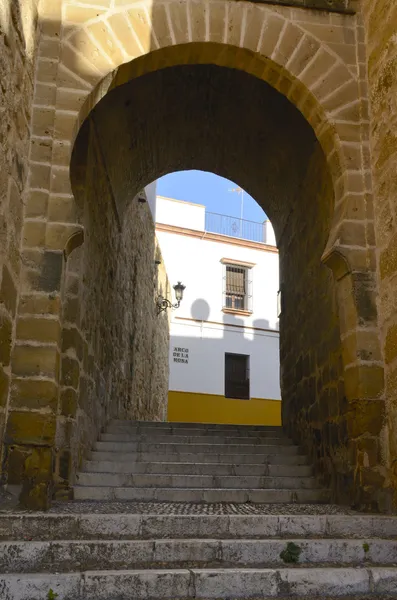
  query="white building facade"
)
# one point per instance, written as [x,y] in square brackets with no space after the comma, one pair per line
[224,339]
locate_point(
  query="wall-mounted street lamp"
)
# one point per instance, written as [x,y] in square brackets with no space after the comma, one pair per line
[163,304]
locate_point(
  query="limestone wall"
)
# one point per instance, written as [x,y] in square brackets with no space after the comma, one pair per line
[312,376]
[380,17]
[114,350]
[312,57]
[18,21]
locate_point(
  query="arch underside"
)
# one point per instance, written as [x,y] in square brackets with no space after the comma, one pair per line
[230,123]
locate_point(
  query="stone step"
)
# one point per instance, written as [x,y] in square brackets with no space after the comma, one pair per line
[109,466]
[170,448]
[209,584]
[127,526]
[186,431]
[207,458]
[182,439]
[153,494]
[203,426]
[65,556]
[109,479]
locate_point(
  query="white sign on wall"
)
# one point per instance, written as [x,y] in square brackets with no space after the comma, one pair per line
[181,355]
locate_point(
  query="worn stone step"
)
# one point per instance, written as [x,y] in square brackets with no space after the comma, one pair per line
[199,439]
[203,426]
[189,432]
[65,556]
[170,448]
[207,458]
[66,526]
[274,496]
[205,584]
[194,481]
[109,466]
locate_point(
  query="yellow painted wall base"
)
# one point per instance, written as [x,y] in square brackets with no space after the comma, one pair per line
[188,407]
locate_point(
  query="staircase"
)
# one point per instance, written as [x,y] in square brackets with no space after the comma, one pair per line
[208,516]
[178,462]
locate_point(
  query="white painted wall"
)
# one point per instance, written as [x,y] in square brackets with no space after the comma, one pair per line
[180,214]
[196,262]
[151,195]
[270,237]
[207,344]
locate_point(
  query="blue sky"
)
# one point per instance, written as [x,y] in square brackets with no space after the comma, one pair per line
[209,189]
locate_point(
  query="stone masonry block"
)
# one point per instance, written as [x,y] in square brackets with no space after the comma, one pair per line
[43,121]
[5,338]
[390,348]
[8,292]
[70,372]
[64,124]
[61,152]
[69,402]
[38,329]
[47,71]
[72,340]
[62,209]
[39,304]
[80,14]
[104,37]
[57,234]
[4,387]
[291,37]
[41,150]
[321,64]
[34,393]
[178,16]
[30,428]
[60,181]
[35,360]
[49,279]
[34,234]
[36,204]
[270,34]
[253,27]
[143,28]
[361,345]
[363,381]
[388,259]
[365,417]
[45,94]
[93,56]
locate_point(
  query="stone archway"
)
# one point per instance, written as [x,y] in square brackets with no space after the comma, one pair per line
[312,59]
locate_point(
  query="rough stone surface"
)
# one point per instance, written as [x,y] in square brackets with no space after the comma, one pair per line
[197,551]
[380,20]
[18,23]
[114,346]
[314,402]
[315,58]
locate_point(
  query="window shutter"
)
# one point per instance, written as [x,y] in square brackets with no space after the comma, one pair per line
[250,290]
[224,285]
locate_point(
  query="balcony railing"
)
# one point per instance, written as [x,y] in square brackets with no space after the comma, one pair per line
[235,227]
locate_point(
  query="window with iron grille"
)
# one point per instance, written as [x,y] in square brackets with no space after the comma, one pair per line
[237,376]
[237,287]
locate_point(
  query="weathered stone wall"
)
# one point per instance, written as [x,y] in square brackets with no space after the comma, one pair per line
[18,22]
[314,58]
[114,361]
[312,376]
[380,18]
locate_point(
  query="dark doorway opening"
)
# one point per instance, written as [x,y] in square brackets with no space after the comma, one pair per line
[237,376]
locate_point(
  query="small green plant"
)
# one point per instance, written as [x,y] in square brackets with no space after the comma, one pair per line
[365,547]
[291,553]
[51,595]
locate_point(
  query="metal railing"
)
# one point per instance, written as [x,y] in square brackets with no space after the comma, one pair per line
[235,227]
